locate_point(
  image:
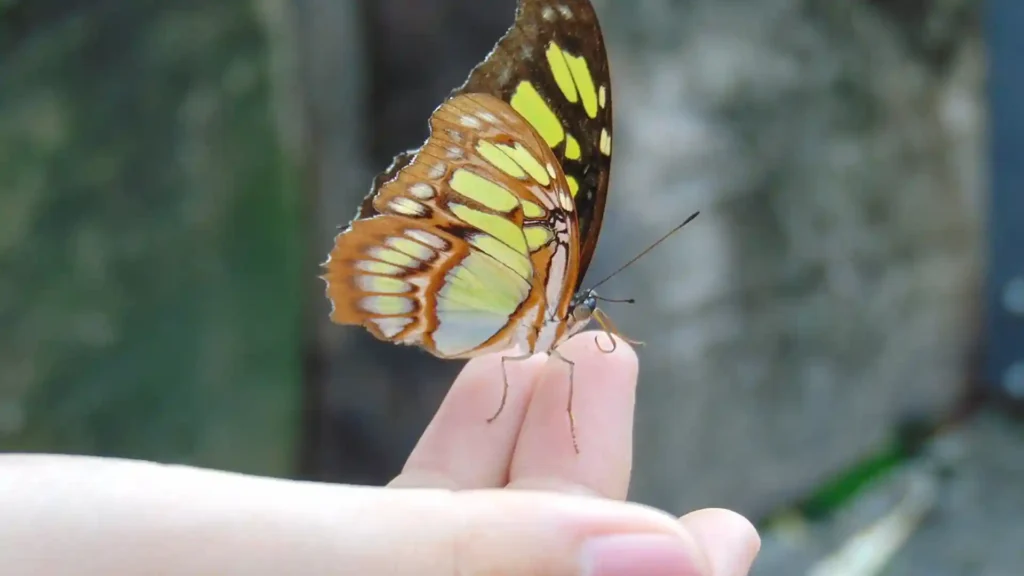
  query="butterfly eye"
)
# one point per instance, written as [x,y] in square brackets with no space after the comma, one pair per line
[583,311]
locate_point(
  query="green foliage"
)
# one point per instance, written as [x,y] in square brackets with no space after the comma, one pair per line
[149,241]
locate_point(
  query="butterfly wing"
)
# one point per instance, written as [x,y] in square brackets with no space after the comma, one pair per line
[472,244]
[552,68]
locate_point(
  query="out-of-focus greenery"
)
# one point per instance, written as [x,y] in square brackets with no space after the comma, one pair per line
[838,491]
[149,237]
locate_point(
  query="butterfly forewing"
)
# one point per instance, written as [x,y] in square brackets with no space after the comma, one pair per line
[473,242]
[552,68]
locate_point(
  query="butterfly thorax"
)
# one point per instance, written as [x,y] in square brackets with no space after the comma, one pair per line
[555,328]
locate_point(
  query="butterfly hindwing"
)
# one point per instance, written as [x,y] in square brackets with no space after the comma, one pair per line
[471,239]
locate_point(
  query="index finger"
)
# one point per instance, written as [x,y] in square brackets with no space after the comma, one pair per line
[460,449]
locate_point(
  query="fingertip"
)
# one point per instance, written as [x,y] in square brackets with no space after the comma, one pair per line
[485,371]
[599,355]
[603,350]
[729,540]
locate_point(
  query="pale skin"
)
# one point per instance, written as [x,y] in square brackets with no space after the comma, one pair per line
[507,497]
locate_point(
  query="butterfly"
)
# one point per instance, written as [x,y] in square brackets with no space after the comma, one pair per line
[478,241]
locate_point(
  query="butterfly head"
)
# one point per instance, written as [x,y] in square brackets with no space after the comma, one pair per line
[583,308]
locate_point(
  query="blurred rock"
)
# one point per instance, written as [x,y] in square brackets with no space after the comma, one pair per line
[972,527]
[830,285]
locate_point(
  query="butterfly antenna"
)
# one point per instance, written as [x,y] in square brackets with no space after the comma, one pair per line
[646,250]
[615,300]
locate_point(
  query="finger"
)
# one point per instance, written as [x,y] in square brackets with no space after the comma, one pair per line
[603,401]
[90,516]
[460,449]
[729,540]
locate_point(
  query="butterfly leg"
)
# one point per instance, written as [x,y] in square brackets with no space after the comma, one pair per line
[609,328]
[568,406]
[504,381]
[597,343]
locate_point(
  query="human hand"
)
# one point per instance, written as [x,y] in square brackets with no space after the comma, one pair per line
[509,497]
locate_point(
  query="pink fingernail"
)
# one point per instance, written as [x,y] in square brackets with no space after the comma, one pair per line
[647,554]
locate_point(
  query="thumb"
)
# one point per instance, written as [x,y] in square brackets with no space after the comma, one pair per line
[97,516]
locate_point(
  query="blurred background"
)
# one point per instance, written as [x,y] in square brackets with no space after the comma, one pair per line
[835,347]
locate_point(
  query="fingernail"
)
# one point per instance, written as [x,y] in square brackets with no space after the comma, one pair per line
[647,554]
